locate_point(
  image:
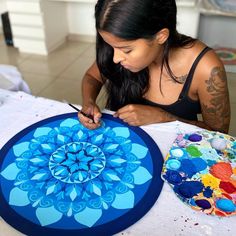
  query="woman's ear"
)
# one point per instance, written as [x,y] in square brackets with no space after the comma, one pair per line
[162,36]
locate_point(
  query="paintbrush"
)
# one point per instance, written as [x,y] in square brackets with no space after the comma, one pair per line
[83,113]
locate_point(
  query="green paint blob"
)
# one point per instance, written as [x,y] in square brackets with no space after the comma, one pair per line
[193,151]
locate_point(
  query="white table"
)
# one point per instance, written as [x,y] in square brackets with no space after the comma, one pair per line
[169,216]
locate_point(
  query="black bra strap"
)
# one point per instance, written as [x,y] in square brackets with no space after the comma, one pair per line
[189,79]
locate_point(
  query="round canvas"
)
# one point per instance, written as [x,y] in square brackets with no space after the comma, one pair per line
[58,177]
[201,168]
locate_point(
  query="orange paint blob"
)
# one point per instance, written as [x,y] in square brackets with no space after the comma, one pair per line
[221,171]
[233,182]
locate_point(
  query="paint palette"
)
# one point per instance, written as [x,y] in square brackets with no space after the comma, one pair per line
[201,169]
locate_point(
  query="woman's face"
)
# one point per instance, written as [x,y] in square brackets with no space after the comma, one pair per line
[134,55]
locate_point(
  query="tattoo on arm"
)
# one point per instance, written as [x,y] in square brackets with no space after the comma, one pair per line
[218,110]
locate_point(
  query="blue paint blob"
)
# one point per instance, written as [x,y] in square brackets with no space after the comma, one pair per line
[192,202]
[225,205]
[203,203]
[189,189]
[208,192]
[199,164]
[211,163]
[173,164]
[173,177]
[195,138]
[177,152]
[188,167]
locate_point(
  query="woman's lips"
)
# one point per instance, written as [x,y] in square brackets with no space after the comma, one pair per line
[126,66]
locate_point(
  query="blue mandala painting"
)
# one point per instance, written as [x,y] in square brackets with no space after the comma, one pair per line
[58,177]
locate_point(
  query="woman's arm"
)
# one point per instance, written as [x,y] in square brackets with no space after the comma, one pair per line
[138,115]
[213,93]
[91,86]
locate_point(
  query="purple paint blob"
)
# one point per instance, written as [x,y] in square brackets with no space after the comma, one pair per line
[195,138]
[203,203]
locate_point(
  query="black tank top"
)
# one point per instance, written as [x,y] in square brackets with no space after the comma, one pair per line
[184,107]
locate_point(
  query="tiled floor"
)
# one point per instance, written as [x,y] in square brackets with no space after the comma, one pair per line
[58,76]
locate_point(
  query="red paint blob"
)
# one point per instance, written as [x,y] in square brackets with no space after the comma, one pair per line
[222,171]
[220,213]
[227,187]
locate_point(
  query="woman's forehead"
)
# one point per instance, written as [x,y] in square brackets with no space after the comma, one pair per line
[117,42]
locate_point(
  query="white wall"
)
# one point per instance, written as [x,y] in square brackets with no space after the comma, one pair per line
[3,8]
[188,20]
[216,30]
[81,20]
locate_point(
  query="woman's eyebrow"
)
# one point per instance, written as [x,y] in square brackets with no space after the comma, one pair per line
[120,47]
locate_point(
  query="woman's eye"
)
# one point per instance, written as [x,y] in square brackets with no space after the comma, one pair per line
[127,52]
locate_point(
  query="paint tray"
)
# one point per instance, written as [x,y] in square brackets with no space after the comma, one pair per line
[201,169]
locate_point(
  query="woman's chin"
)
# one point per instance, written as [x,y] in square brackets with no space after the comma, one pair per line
[134,70]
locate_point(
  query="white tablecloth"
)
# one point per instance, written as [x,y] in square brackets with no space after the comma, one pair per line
[169,216]
[11,79]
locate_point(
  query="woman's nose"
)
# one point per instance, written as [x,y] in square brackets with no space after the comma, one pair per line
[118,57]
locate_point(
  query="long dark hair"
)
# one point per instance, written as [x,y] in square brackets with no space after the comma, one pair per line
[131,20]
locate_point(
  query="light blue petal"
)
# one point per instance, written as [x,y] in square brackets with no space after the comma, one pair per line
[50,189]
[19,149]
[61,138]
[10,172]
[139,151]
[47,216]
[111,147]
[97,190]
[80,134]
[124,201]
[18,197]
[116,160]
[39,176]
[110,175]
[141,175]
[42,131]
[97,138]
[88,216]
[73,194]
[69,122]
[37,161]
[47,148]
[122,131]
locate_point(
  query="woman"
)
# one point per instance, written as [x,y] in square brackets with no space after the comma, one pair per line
[151,72]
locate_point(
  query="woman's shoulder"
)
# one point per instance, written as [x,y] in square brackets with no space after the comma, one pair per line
[206,59]
[209,59]
[183,58]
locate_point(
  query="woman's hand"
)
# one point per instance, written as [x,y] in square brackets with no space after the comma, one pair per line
[137,115]
[90,116]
